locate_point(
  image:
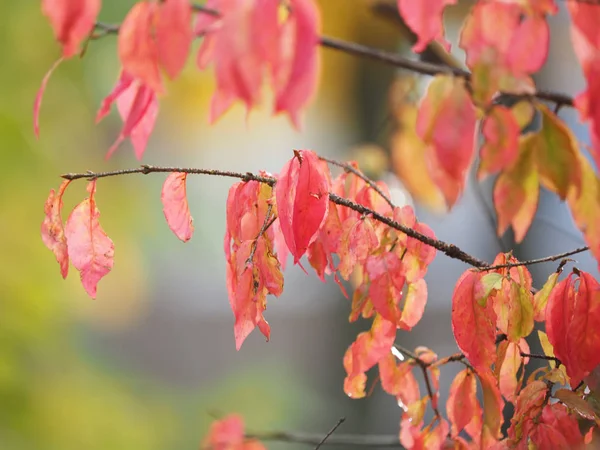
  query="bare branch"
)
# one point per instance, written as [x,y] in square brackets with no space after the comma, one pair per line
[346,440]
[539,260]
[328,435]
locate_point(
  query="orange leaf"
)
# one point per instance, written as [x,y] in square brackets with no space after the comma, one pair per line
[91,251]
[540,299]
[366,351]
[446,123]
[529,404]
[425,19]
[501,148]
[511,363]
[462,406]
[228,434]
[556,429]
[175,206]
[398,380]
[174,35]
[302,195]
[573,324]
[474,324]
[53,233]
[138,50]
[72,21]
[516,191]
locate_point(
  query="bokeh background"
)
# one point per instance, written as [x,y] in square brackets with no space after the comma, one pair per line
[151,362]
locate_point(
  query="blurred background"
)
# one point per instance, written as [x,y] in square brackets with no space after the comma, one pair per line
[152,361]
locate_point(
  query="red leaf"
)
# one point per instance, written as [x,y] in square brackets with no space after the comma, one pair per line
[297,74]
[138,107]
[501,148]
[462,406]
[37,104]
[398,380]
[228,434]
[72,21]
[174,35]
[556,430]
[446,123]
[302,199]
[426,20]
[91,251]
[528,406]
[474,322]
[414,304]
[368,349]
[53,233]
[511,363]
[175,206]
[573,324]
[138,50]
[492,407]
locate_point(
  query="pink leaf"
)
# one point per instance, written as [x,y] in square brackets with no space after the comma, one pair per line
[38,98]
[72,21]
[425,19]
[174,35]
[302,199]
[53,233]
[175,206]
[91,251]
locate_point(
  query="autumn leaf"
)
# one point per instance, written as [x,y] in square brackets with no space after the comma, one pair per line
[302,195]
[474,323]
[90,250]
[573,324]
[446,123]
[398,380]
[72,21]
[540,299]
[368,349]
[426,20]
[492,406]
[556,429]
[462,406]
[516,191]
[137,47]
[174,35]
[576,403]
[53,233]
[501,148]
[414,304]
[528,405]
[175,206]
[228,434]
[138,107]
[297,70]
[508,381]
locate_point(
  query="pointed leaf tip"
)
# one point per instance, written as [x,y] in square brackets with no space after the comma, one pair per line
[91,251]
[37,104]
[175,206]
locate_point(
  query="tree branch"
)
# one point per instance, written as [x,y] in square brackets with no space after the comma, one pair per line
[347,440]
[531,262]
[330,432]
[379,55]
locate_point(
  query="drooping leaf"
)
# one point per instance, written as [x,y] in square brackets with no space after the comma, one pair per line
[492,406]
[576,402]
[573,324]
[137,46]
[501,148]
[53,233]
[297,69]
[474,324]
[174,35]
[557,155]
[446,123]
[175,206]
[540,299]
[368,349]
[90,250]
[508,380]
[556,429]
[138,108]
[72,21]
[462,406]
[397,379]
[529,405]
[425,19]
[302,195]
[228,434]
[414,304]
[37,104]
[516,191]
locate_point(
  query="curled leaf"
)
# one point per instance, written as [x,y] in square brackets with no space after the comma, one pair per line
[53,233]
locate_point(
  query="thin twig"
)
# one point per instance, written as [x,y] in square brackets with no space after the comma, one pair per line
[265,226]
[538,356]
[348,168]
[539,260]
[328,435]
[393,59]
[345,440]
